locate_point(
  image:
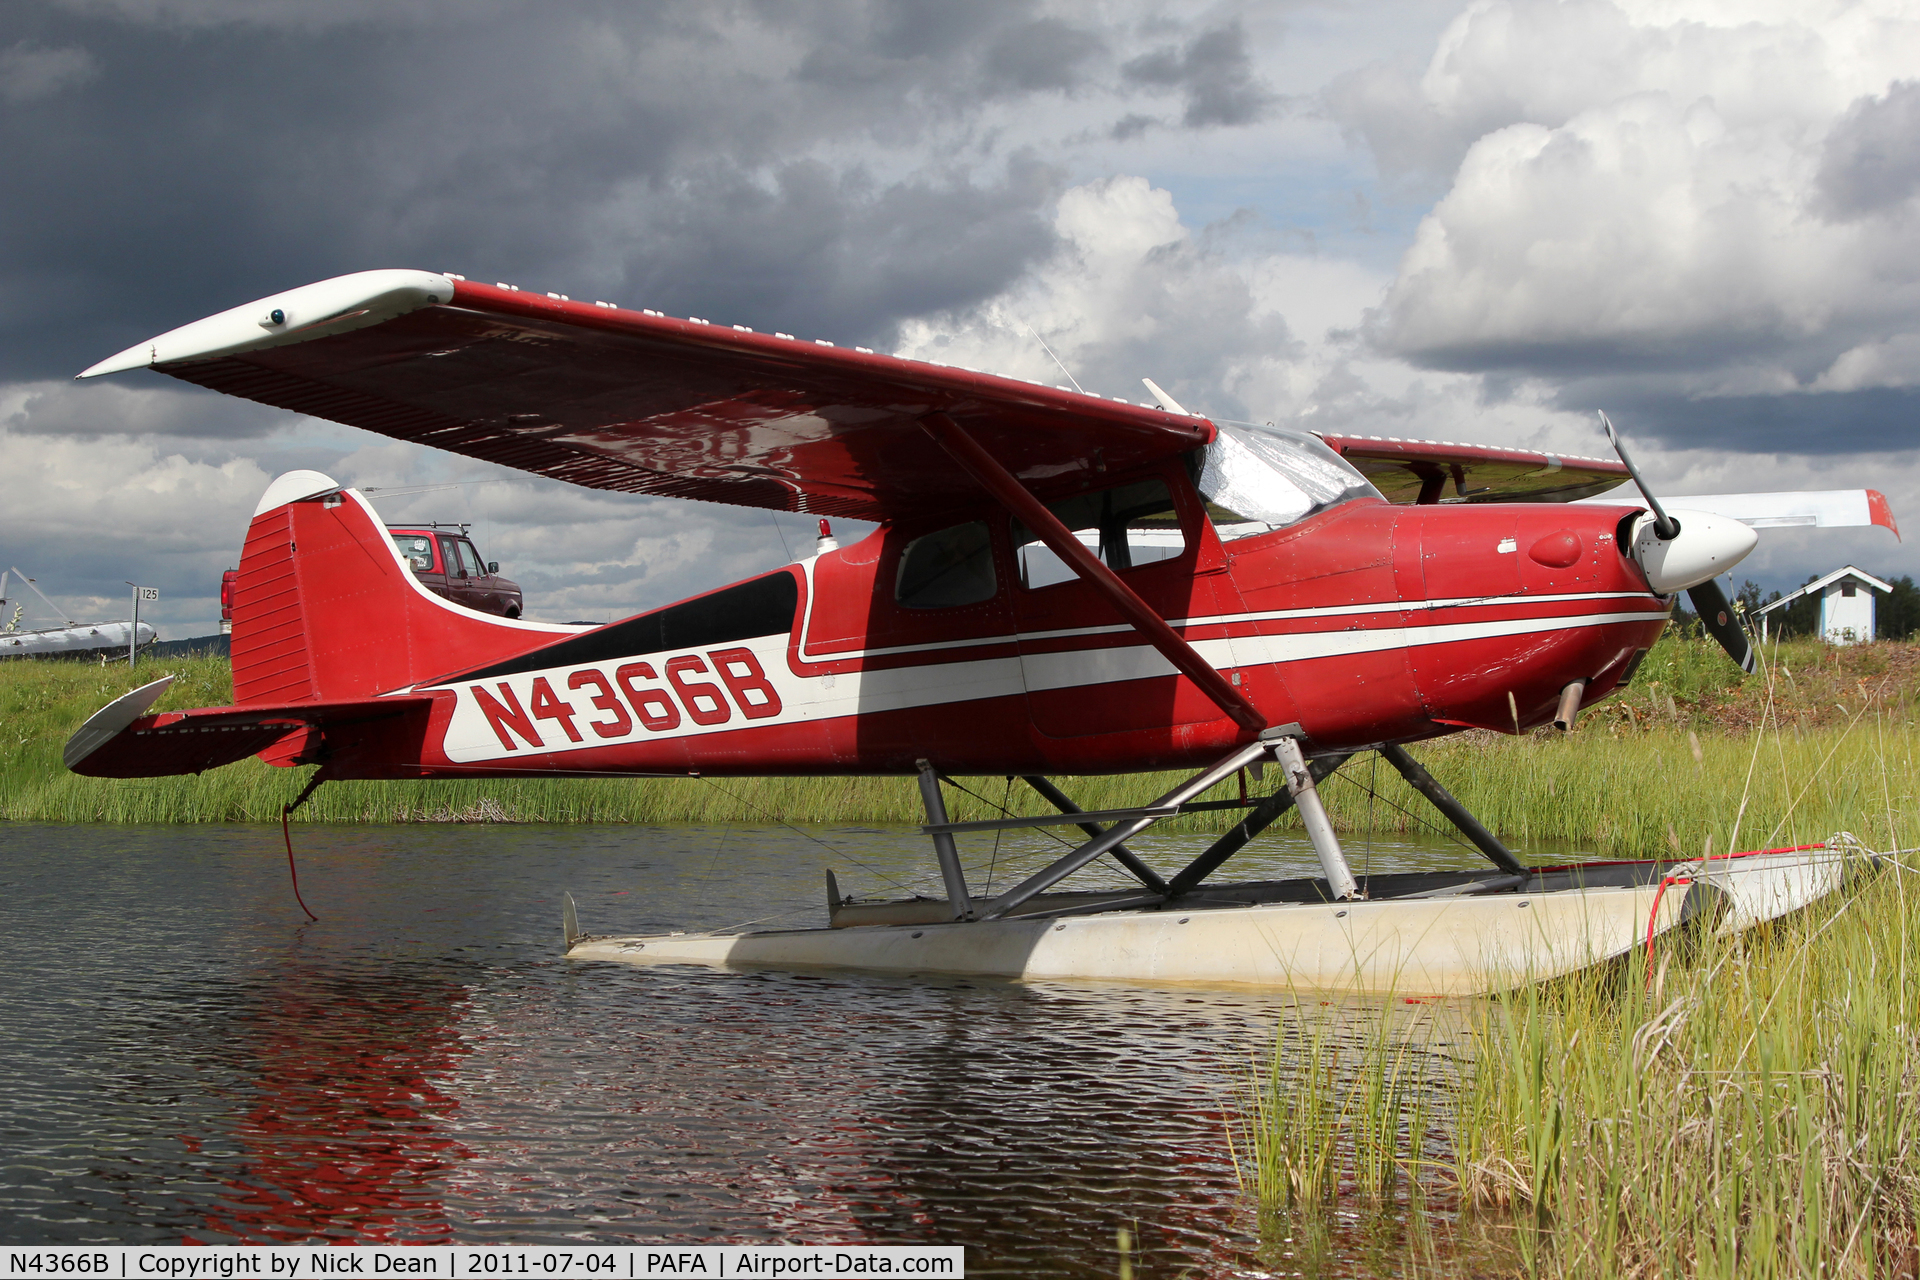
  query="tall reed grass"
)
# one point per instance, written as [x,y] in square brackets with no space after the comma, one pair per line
[1629,785]
[1732,1108]
[1752,1111]
[1726,1107]
[1339,1118]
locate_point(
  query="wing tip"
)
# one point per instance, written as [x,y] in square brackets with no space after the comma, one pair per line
[138,356]
[295,315]
[110,721]
[1880,512]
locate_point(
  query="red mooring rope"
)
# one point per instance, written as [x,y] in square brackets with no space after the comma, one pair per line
[292,871]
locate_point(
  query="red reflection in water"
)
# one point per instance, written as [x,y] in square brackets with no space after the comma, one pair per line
[345,1141]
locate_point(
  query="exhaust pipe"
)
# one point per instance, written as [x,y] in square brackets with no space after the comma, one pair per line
[1569,706]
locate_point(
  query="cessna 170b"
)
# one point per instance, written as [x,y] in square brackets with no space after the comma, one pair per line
[1060,584]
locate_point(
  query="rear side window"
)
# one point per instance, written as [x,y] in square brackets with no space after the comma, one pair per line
[1127,526]
[951,567]
[417,550]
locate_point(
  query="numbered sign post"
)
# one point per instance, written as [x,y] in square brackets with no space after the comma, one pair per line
[140,593]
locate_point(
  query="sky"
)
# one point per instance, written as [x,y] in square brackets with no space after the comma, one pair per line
[1463,221]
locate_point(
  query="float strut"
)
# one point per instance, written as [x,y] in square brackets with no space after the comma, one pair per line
[1121,854]
[1044,879]
[1340,881]
[944,849]
[1264,814]
[1422,781]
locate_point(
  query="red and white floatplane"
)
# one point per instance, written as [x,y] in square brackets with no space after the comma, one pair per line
[1060,584]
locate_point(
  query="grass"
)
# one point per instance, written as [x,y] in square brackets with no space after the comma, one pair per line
[1629,782]
[1751,1112]
[1738,1107]
[1747,1109]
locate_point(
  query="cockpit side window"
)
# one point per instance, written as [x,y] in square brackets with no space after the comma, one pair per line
[1257,479]
[1127,526]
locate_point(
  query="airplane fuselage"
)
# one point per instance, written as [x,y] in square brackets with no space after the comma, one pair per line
[1364,623]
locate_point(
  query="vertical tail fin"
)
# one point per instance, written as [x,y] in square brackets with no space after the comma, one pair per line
[325,608]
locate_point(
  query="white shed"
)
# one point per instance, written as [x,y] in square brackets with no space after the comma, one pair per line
[1846,605]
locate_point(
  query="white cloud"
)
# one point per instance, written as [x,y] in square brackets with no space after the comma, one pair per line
[1893,362]
[1229,330]
[85,513]
[1130,293]
[1669,192]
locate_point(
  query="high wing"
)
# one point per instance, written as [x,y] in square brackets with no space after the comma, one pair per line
[1414,471]
[639,402]
[1816,508]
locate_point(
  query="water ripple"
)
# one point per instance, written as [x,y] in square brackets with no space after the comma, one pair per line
[184,1059]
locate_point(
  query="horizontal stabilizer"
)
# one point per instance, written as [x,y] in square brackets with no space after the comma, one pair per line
[122,741]
[107,723]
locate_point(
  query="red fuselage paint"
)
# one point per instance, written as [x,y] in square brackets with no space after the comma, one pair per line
[1364,623]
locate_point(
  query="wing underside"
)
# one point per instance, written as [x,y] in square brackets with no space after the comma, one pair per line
[638,402]
[633,401]
[1411,471]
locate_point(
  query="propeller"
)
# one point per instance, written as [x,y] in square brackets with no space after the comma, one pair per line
[1722,623]
[1670,566]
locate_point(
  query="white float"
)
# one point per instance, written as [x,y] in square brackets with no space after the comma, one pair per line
[1459,940]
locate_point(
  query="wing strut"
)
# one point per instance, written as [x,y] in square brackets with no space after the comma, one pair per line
[1013,495]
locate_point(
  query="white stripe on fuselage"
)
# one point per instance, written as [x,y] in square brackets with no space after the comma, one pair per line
[473,737]
[807,653]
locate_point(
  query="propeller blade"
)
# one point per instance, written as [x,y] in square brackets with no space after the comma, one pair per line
[1663,525]
[1717,616]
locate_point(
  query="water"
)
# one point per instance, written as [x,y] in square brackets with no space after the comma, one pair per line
[185,1058]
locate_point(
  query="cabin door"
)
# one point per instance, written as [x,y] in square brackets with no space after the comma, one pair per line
[1086,670]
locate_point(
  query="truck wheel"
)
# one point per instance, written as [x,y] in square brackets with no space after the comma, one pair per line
[512,612]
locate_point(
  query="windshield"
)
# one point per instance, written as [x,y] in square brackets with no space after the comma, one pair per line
[1260,478]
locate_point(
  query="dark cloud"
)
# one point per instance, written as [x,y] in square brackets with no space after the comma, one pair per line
[1874,422]
[1870,161]
[822,254]
[1047,54]
[157,173]
[29,71]
[1215,73]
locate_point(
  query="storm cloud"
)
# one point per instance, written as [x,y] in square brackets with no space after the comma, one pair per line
[1475,225]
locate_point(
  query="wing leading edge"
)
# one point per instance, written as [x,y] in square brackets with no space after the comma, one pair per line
[638,402]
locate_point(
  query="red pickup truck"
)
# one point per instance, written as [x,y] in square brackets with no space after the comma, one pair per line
[444,560]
